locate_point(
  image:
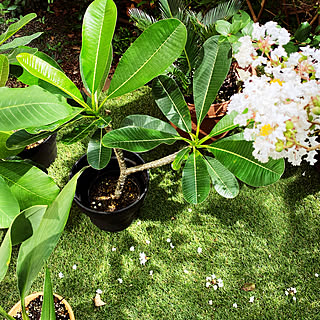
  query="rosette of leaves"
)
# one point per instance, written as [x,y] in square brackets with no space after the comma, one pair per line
[9,50]
[218,164]
[42,108]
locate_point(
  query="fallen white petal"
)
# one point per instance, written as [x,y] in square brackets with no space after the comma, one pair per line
[74,267]
[235,305]
[199,250]
[210,302]
[132,248]
[61,275]
[251,299]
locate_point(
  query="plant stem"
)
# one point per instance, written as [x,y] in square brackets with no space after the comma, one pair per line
[4,314]
[125,172]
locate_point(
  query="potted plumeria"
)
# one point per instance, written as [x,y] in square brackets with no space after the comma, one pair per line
[280,100]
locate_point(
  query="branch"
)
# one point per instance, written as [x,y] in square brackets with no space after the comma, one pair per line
[251,11]
[261,9]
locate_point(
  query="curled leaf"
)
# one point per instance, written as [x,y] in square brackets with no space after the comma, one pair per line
[97,301]
[248,287]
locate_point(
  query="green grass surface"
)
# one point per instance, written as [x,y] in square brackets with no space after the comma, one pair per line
[268,236]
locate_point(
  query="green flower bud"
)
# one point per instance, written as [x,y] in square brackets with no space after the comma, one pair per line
[316,110]
[289,144]
[279,145]
[289,125]
[287,134]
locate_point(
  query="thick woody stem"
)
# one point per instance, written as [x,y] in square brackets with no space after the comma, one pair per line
[123,174]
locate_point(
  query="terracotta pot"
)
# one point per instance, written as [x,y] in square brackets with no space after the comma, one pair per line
[216,112]
[17,307]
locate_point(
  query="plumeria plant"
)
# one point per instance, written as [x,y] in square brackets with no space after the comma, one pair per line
[280,100]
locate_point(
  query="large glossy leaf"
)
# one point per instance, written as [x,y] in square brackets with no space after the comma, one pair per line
[9,205]
[36,250]
[137,139]
[149,55]
[15,27]
[97,33]
[236,155]
[171,102]
[4,151]
[4,70]
[97,154]
[225,124]
[210,74]
[32,106]
[20,230]
[30,185]
[21,41]
[48,308]
[22,138]
[195,179]
[45,71]
[222,179]
[181,157]
[148,122]
[12,56]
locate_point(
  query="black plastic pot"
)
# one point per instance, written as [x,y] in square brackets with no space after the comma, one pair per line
[44,153]
[119,219]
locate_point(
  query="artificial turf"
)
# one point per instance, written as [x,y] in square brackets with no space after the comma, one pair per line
[267,236]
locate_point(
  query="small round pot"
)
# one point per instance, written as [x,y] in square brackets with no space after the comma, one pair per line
[119,219]
[214,115]
[17,307]
[44,153]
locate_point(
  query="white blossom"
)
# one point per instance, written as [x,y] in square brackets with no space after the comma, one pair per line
[61,275]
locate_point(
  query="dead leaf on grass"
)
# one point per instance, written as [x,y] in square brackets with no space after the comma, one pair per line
[248,286]
[97,301]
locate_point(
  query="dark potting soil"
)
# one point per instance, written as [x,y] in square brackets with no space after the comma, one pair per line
[34,309]
[101,195]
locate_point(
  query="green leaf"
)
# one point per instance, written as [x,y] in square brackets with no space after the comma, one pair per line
[48,308]
[242,17]
[224,182]
[137,139]
[4,70]
[22,138]
[98,28]
[28,107]
[45,71]
[237,156]
[20,229]
[12,56]
[30,185]
[181,157]
[9,205]
[36,250]
[225,124]
[148,122]
[223,27]
[4,151]
[97,154]
[171,102]
[210,75]
[148,56]
[303,32]
[247,30]
[3,313]
[15,27]
[21,41]
[195,179]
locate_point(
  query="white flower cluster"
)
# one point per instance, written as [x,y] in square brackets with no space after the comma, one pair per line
[212,281]
[283,104]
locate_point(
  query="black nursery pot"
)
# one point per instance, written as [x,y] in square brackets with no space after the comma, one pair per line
[44,153]
[119,219]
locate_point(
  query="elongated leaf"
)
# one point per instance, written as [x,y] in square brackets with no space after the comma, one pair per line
[195,179]
[137,139]
[181,157]
[4,314]
[237,156]
[4,70]
[12,56]
[225,124]
[4,151]
[171,102]
[149,55]
[48,309]
[148,122]
[22,138]
[21,41]
[210,75]
[141,19]
[36,250]
[20,230]
[30,185]
[9,205]
[45,71]
[222,179]
[98,28]
[27,107]
[15,27]
[97,154]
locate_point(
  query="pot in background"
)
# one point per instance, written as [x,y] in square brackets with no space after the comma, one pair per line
[119,219]
[17,307]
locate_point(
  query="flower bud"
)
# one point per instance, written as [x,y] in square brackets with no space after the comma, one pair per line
[287,134]
[279,145]
[289,125]
[289,144]
[316,111]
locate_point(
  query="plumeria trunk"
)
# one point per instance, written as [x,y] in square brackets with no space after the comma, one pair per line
[125,172]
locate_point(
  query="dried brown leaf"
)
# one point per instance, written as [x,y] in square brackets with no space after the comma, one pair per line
[97,301]
[248,286]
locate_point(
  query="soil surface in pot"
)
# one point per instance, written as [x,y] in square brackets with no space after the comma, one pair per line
[34,309]
[101,194]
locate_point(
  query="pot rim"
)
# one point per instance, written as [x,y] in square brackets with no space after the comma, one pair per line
[17,307]
[106,213]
